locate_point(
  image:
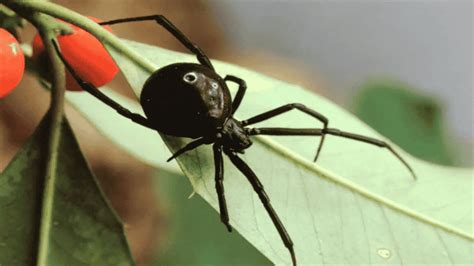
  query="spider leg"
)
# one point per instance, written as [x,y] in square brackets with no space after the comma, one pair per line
[258,187]
[240,93]
[137,118]
[282,131]
[219,176]
[288,107]
[165,23]
[190,146]
[330,131]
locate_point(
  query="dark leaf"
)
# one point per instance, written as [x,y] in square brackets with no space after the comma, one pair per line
[84,231]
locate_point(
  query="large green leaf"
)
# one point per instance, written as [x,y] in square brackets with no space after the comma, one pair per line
[189,222]
[358,204]
[85,230]
[129,136]
[389,106]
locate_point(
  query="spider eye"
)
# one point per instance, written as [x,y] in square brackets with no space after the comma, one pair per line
[214,85]
[190,77]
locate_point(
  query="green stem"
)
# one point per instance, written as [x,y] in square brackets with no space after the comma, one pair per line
[104,36]
[48,27]
[56,113]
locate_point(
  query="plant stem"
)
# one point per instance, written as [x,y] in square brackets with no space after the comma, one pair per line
[56,113]
[48,27]
[105,37]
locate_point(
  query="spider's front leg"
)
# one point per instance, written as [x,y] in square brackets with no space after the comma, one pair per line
[288,107]
[240,93]
[331,131]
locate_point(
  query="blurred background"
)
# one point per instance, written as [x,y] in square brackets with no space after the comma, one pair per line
[404,67]
[425,44]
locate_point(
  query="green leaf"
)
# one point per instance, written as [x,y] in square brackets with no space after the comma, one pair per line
[358,204]
[419,116]
[193,221]
[85,230]
[122,132]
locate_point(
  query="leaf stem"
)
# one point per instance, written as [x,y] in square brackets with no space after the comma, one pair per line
[95,29]
[48,29]
[56,113]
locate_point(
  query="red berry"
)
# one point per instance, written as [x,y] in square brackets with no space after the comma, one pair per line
[85,54]
[12,63]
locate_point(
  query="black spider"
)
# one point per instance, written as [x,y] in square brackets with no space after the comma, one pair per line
[192,100]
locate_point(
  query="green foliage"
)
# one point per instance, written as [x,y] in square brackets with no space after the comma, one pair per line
[357,205]
[195,235]
[85,230]
[411,120]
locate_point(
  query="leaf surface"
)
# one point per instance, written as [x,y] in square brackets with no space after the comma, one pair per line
[420,117]
[194,221]
[85,230]
[358,204]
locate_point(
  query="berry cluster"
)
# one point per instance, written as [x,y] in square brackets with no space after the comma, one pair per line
[83,51]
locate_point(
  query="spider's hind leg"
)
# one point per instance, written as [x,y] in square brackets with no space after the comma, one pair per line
[137,118]
[171,28]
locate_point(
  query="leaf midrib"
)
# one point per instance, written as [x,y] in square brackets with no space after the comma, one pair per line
[346,183]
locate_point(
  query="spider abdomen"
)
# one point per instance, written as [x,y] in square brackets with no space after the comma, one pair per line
[186,100]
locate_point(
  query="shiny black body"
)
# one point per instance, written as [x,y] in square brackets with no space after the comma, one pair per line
[201,108]
[192,100]
[186,109]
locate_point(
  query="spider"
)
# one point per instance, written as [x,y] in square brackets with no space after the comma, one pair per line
[191,100]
